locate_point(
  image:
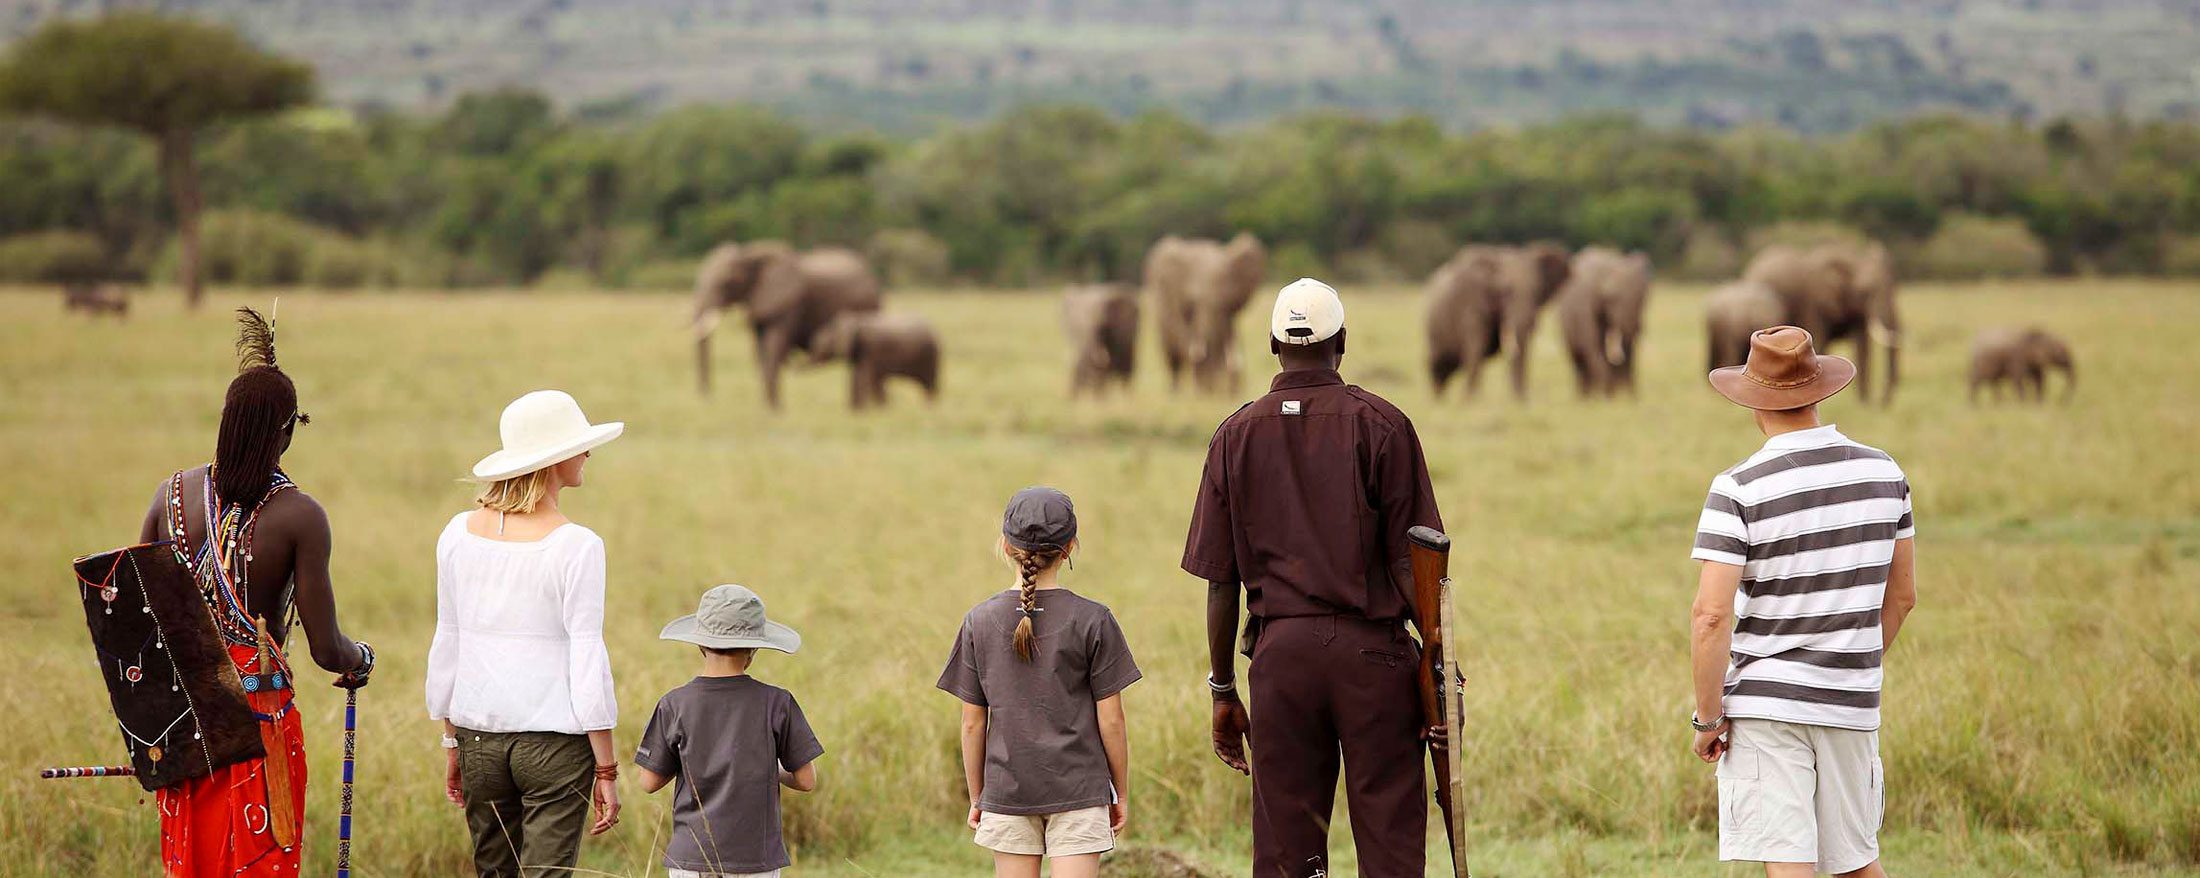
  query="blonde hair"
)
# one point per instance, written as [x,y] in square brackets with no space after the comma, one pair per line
[1029,564]
[518,494]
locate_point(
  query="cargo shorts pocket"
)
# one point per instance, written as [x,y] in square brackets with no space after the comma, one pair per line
[1740,802]
[1879,796]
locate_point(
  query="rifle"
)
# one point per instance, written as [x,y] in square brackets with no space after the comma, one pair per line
[1431,554]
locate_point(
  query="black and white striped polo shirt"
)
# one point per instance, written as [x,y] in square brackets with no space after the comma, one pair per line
[1812,520]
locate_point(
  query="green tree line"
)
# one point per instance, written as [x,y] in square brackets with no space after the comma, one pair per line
[506,188]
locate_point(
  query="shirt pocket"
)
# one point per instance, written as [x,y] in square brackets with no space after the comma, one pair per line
[1739,808]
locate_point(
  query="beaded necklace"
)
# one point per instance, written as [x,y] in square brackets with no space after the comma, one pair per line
[222,564]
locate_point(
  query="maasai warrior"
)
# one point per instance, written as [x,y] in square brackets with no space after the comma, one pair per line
[258,548]
[1306,500]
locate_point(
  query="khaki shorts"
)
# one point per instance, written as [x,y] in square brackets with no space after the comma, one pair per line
[1067,834]
[1791,793]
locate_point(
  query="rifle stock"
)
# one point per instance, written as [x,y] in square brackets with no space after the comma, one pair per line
[1431,555]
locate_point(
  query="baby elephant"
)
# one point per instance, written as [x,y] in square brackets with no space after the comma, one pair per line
[2021,357]
[878,345]
[1101,321]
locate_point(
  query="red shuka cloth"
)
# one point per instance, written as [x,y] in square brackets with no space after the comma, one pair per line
[218,826]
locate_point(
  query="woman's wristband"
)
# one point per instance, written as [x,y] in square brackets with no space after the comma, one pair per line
[607,772]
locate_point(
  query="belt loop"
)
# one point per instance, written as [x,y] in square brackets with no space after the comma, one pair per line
[1327,631]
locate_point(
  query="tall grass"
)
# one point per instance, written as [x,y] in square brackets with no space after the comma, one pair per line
[2042,709]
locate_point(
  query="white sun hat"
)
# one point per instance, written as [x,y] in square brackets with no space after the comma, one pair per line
[540,429]
[1307,312]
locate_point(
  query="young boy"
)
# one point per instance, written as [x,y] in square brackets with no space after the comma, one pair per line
[732,741]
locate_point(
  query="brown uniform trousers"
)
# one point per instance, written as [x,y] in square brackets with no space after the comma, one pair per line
[1325,687]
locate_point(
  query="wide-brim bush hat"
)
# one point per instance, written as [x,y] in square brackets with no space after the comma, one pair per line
[731,617]
[540,429]
[1783,372]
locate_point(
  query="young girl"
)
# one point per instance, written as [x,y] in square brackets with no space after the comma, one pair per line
[1041,673]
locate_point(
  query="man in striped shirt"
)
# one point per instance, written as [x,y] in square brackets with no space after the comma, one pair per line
[1807,577]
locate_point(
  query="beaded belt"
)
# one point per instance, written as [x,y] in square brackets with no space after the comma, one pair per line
[265,682]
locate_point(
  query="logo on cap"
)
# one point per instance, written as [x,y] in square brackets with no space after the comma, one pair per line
[1298,315]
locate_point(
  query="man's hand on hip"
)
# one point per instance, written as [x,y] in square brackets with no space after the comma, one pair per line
[1232,725]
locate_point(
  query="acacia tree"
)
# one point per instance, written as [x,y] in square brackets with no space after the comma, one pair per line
[167,78]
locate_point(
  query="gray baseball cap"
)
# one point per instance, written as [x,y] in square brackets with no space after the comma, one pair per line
[731,617]
[1039,518]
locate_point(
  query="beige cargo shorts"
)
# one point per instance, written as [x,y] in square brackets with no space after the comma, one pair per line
[1791,793]
[1067,834]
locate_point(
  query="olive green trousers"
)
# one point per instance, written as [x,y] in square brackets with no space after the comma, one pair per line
[527,800]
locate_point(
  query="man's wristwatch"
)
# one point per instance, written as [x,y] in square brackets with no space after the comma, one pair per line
[1227,689]
[1701,726]
[450,742]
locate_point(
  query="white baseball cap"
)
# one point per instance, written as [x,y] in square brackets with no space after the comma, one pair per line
[1308,311]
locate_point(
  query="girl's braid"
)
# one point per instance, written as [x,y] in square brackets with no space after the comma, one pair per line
[1029,564]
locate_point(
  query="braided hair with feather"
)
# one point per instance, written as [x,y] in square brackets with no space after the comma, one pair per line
[258,414]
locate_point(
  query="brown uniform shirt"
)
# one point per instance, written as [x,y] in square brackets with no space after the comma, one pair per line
[1306,499]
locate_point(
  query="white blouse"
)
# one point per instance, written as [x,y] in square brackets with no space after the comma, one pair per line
[519,633]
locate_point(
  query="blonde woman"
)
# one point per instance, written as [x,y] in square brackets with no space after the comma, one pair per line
[518,674]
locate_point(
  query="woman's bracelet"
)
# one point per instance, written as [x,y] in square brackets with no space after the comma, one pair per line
[607,772]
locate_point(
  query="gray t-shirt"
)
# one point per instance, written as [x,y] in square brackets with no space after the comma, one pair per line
[725,740]
[1042,742]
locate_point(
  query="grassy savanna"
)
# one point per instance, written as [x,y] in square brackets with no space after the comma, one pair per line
[2042,717]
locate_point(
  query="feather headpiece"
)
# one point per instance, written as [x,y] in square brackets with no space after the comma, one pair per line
[255,340]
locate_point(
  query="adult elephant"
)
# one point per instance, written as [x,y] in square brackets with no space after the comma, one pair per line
[1600,316]
[790,295]
[1198,286]
[1484,301]
[1731,314]
[1101,321]
[2021,357]
[1838,291]
[878,346]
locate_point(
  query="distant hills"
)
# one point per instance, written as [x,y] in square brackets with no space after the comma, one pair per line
[910,65]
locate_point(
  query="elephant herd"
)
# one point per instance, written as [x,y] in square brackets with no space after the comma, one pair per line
[1485,301]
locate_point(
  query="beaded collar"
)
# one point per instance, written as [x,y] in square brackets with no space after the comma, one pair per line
[221,564]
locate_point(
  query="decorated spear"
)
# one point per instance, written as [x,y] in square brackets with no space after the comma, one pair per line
[88,771]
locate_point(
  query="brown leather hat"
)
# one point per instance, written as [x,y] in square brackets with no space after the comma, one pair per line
[1783,372]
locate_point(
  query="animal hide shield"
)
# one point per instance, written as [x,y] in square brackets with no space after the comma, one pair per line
[177,698]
